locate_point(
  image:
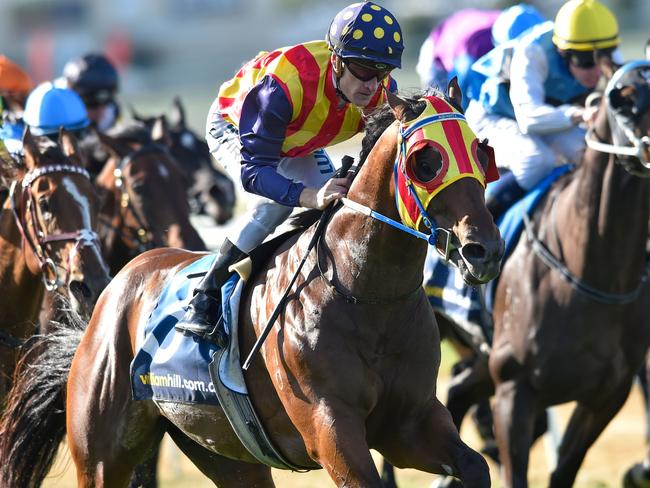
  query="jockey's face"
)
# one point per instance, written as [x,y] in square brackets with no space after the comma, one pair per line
[358,91]
[587,77]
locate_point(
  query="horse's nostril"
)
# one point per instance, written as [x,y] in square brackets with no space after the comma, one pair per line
[473,252]
[80,290]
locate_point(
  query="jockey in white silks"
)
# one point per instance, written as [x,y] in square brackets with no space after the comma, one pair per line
[530,102]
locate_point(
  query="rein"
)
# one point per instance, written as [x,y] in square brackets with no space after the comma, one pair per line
[82,237]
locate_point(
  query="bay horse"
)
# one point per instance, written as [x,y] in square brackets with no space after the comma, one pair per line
[351,363]
[47,241]
[144,200]
[570,315]
[210,191]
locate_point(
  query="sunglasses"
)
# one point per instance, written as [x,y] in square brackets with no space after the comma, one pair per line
[365,73]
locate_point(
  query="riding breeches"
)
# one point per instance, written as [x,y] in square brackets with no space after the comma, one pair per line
[530,157]
[263,215]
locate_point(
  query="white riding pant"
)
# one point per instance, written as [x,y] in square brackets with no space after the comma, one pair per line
[263,214]
[530,157]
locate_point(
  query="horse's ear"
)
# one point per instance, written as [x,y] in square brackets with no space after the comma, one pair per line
[454,92]
[606,64]
[70,146]
[399,106]
[647,50]
[112,145]
[30,148]
[135,115]
[160,131]
[178,113]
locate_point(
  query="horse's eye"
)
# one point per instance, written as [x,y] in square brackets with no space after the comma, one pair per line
[138,188]
[426,164]
[44,205]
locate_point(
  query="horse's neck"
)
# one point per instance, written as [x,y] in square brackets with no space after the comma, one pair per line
[602,217]
[18,283]
[371,258]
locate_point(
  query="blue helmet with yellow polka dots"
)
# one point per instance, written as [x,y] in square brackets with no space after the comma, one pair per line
[367,31]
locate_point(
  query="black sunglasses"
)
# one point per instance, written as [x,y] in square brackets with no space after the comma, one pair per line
[366,73]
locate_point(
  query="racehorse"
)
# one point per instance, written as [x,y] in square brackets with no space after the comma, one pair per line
[350,365]
[144,204]
[47,241]
[211,191]
[570,308]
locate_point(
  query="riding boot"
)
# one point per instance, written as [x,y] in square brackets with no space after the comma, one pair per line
[201,315]
[503,194]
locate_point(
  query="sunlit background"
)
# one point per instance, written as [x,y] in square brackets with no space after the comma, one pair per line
[164,48]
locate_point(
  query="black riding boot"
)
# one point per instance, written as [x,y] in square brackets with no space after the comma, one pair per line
[503,194]
[201,315]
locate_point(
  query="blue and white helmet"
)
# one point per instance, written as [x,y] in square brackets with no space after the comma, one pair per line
[513,21]
[49,108]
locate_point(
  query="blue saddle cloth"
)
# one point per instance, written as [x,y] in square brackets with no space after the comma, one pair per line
[169,365]
[446,289]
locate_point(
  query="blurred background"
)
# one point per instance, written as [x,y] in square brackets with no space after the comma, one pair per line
[189,47]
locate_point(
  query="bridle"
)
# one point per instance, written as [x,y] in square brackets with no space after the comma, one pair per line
[638,148]
[138,238]
[38,240]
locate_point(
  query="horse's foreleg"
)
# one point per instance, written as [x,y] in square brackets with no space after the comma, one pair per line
[335,437]
[514,422]
[430,442]
[584,427]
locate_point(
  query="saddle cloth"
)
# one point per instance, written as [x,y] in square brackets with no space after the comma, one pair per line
[471,307]
[169,365]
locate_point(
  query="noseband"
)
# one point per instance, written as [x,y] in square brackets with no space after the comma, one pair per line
[38,243]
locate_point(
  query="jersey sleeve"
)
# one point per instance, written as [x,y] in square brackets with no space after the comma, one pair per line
[266,113]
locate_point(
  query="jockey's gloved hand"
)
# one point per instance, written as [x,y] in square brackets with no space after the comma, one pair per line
[320,198]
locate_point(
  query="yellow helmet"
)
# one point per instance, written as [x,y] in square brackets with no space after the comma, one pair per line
[585,25]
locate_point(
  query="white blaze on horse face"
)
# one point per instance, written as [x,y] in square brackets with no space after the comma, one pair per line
[81,200]
[163,171]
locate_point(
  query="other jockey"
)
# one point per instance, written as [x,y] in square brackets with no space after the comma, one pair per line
[269,125]
[96,81]
[15,84]
[462,38]
[48,108]
[526,106]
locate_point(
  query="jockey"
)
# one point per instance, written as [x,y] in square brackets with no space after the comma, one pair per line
[15,84]
[49,108]
[458,41]
[270,123]
[526,105]
[95,79]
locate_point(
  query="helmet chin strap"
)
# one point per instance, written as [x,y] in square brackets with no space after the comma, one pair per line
[337,68]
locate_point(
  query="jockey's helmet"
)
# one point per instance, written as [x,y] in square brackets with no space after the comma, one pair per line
[13,78]
[513,21]
[93,77]
[48,108]
[368,32]
[585,25]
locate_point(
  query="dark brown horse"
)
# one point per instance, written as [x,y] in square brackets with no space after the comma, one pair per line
[210,191]
[350,365]
[144,201]
[571,321]
[47,241]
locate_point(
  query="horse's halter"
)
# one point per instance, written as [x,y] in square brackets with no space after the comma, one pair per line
[622,119]
[412,196]
[445,129]
[38,240]
[141,237]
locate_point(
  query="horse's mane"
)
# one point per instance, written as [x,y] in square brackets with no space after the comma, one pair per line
[380,119]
